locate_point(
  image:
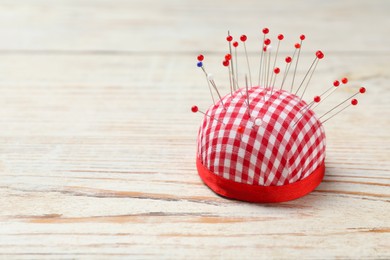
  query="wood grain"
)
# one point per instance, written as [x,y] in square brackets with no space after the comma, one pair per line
[97,143]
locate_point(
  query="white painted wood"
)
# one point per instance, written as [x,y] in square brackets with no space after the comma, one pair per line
[97,142]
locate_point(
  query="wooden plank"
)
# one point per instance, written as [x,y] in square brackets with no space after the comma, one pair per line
[179,26]
[98,160]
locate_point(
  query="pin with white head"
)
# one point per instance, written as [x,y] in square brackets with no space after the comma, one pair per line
[209,79]
[200,65]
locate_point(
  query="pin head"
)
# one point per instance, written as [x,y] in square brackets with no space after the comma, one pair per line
[199,64]
[194,109]
[229,38]
[228,57]
[267,41]
[243,38]
[336,83]
[320,55]
[235,44]
[362,90]
[276,70]
[344,80]
[302,37]
[354,102]
[317,99]
[280,37]
[265,30]
[200,57]
[297,46]
[225,63]
[240,129]
[288,59]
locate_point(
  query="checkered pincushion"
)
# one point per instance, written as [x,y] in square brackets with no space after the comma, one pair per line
[275,146]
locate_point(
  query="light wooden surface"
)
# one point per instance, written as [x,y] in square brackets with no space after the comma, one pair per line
[97,142]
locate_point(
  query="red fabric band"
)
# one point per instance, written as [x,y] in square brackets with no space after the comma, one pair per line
[255,193]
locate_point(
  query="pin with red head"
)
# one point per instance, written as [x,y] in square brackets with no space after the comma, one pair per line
[195,109]
[353,102]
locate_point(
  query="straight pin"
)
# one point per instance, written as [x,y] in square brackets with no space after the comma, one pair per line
[307,73]
[208,83]
[229,38]
[200,65]
[211,79]
[280,38]
[319,56]
[226,64]
[243,38]
[311,75]
[247,95]
[195,109]
[269,49]
[335,84]
[288,60]
[316,99]
[235,45]
[354,102]
[265,31]
[276,72]
[264,69]
[362,90]
[299,46]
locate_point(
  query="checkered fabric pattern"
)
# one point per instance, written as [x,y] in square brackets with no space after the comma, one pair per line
[271,144]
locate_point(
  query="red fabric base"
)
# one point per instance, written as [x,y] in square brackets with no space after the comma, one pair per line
[256,193]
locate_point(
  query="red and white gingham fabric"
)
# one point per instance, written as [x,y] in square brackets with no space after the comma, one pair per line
[270,152]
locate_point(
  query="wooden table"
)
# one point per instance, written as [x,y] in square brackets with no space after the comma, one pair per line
[97,141]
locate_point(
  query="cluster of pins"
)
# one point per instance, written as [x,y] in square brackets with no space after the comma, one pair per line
[268,73]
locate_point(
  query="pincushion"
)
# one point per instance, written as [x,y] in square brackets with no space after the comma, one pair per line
[262,150]
[261,143]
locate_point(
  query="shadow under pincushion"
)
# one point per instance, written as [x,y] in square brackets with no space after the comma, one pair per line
[275,141]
